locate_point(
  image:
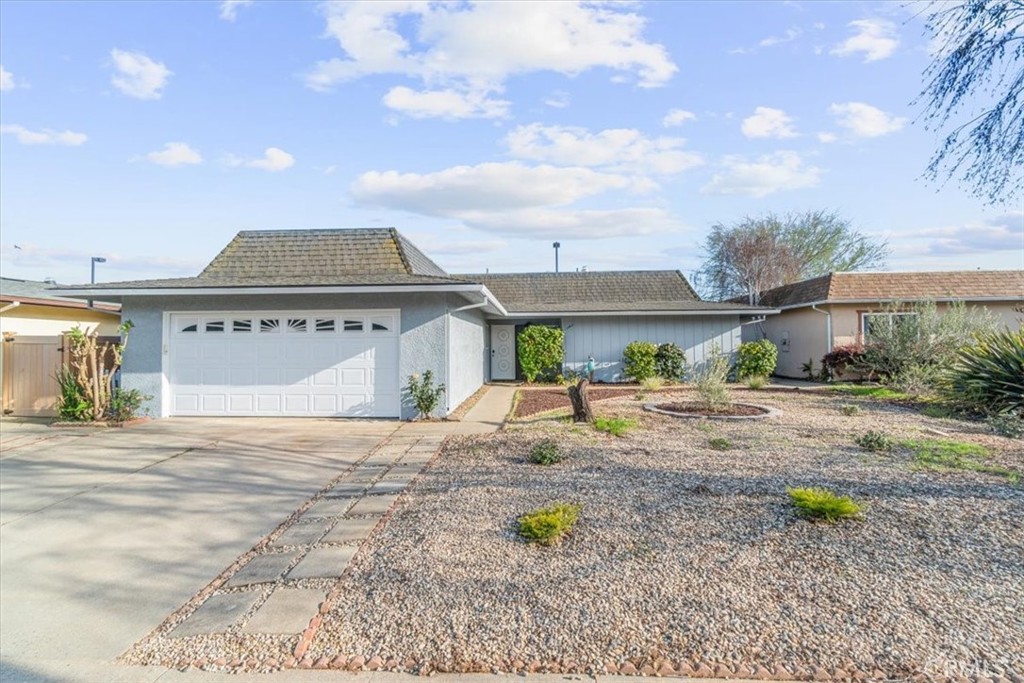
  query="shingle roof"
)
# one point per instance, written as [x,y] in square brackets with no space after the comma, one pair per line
[908,286]
[596,291]
[296,258]
[319,255]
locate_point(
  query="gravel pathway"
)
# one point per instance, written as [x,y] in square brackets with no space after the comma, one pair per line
[690,560]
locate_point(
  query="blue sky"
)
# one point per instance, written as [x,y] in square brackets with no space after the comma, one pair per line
[150,133]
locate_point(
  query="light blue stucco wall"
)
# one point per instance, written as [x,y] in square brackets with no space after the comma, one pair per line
[422,333]
[605,337]
[467,354]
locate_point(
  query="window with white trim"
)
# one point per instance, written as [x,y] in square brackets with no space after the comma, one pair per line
[238,325]
[214,326]
[872,324]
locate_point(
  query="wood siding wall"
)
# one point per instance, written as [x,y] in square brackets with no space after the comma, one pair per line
[605,338]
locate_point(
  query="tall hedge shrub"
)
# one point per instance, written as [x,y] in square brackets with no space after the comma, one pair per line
[640,360]
[756,359]
[540,351]
[670,362]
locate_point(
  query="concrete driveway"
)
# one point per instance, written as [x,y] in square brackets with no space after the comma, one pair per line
[104,533]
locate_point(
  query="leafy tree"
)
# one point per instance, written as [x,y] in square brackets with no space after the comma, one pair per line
[978,67]
[759,253]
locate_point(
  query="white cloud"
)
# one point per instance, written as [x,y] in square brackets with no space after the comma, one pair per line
[330,170]
[45,136]
[827,137]
[274,159]
[6,79]
[489,187]
[455,47]
[866,121]
[447,104]
[580,223]
[175,154]
[138,76]
[512,198]
[229,8]
[874,38]
[557,100]
[619,149]
[1000,233]
[783,170]
[791,34]
[767,122]
[677,117]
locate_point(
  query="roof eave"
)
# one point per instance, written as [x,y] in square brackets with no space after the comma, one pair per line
[900,299]
[688,312]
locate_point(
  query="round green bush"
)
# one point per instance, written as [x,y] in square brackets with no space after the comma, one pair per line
[756,358]
[640,360]
[670,362]
[540,351]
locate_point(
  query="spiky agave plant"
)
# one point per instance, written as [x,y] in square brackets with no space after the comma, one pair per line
[989,374]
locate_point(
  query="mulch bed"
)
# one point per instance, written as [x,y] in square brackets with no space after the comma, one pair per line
[534,401]
[692,408]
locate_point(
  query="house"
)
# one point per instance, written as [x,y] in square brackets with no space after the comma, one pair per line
[333,323]
[33,320]
[822,313]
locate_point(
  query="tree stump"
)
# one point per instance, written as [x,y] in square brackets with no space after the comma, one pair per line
[580,404]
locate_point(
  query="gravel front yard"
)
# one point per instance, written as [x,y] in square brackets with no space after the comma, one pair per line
[692,558]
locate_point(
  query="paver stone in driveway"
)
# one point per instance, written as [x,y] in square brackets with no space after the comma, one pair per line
[217,614]
[349,530]
[373,505]
[323,563]
[391,486]
[287,610]
[329,507]
[303,533]
[262,569]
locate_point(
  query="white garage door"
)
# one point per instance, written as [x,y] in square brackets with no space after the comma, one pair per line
[306,363]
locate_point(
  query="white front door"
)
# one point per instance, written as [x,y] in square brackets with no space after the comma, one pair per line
[503,352]
[301,363]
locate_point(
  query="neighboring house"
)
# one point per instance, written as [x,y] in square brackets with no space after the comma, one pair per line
[820,314]
[333,323]
[33,320]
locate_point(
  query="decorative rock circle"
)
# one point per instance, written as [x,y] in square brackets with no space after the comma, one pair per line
[766,412]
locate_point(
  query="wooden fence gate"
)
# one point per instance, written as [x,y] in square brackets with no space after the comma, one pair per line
[30,366]
[29,386]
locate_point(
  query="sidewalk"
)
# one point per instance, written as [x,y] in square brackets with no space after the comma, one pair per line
[488,415]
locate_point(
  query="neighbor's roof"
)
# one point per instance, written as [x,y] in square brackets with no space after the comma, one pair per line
[297,258]
[38,293]
[967,285]
[598,291]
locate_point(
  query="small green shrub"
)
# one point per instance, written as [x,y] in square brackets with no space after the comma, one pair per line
[541,350]
[719,443]
[72,405]
[818,503]
[546,452]
[917,379]
[125,404]
[873,441]
[988,375]
[670,362]
[849,409]
[757,382]
[425,396]
[547,525]
[1009,424]
[756,358]
[616,426]
[640,360]
[710,380]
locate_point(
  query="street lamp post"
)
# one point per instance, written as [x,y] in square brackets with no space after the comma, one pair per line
[92,273]
[95,260]
[556,245]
